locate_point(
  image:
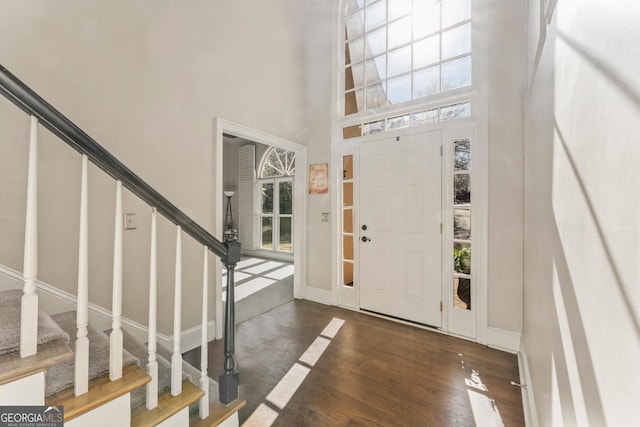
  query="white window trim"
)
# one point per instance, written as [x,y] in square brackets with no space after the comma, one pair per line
[436,100]
[275,215]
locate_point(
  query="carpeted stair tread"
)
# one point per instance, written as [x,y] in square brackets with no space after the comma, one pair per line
[10,308]
[13,367]
[163,357]
[192,374]
[61,377]
[141,351]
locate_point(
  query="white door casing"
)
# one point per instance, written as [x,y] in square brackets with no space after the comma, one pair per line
[221,126]
[401,206]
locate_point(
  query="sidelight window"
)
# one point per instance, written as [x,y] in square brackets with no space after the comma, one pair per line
[462,223]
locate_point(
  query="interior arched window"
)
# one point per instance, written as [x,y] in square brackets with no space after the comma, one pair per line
[399,51]
[276,200]
[278,162]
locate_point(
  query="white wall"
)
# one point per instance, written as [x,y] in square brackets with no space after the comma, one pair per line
[505,82]
[320,41]
[145,80]
[582,239]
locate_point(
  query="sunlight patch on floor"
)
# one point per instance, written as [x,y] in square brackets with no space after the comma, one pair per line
[332,328]
[238,276]
[485,411]
[315,350]
[280,273]
[248,262]
[288,385]
[249,288]
[281,394]
[261,417]
[261,268]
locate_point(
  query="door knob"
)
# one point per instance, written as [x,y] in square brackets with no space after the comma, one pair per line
[365,239]
[364,227]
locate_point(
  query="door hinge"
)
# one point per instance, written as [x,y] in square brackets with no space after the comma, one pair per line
[441,307]
[440,228]
[441,151]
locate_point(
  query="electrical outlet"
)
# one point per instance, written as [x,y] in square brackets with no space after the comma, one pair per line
[130,221]
[324,217]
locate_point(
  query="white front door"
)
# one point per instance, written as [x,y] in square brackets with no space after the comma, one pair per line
[400,227]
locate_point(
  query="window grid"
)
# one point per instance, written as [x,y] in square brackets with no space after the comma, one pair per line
[420,117]
[348,230]
[462,223]
[364,89]
[278,162]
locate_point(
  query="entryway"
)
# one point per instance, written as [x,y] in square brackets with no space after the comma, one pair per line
[400,227]
[405,233]
[268,209]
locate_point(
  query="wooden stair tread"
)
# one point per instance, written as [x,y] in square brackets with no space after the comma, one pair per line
[13,367]
[101,391]
[218,412]
[168,405]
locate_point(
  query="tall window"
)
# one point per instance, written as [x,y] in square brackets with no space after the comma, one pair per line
[401,50]
[276,200]
[462,223]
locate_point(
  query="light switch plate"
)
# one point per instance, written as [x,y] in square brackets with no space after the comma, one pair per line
[130,221]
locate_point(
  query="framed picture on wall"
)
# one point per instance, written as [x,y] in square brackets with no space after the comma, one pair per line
[319,178]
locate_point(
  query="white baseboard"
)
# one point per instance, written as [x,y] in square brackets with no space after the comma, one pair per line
[502,339]
[54,300]
[528,403]
[322,296]
[192,337]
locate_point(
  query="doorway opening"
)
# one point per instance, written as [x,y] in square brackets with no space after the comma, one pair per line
[255,181]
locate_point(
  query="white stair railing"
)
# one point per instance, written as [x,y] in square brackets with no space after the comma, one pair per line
[176,357]
[116,338]
[82,314]
[44,114]
[29,301]
[204,354]
[152,366]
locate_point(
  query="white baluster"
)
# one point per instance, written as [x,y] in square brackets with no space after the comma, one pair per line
[82,319]
[152,366]
[204,379]
[176,357]
[29,302]
[115,339]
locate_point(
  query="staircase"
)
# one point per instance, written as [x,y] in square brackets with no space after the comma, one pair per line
[109,378]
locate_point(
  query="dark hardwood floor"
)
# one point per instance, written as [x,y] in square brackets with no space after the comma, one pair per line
[375,372]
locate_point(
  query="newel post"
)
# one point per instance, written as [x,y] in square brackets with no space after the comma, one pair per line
[229,380]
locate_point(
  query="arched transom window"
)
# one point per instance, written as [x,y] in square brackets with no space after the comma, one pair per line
[278,162]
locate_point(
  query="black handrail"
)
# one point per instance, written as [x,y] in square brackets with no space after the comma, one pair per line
[31,103]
